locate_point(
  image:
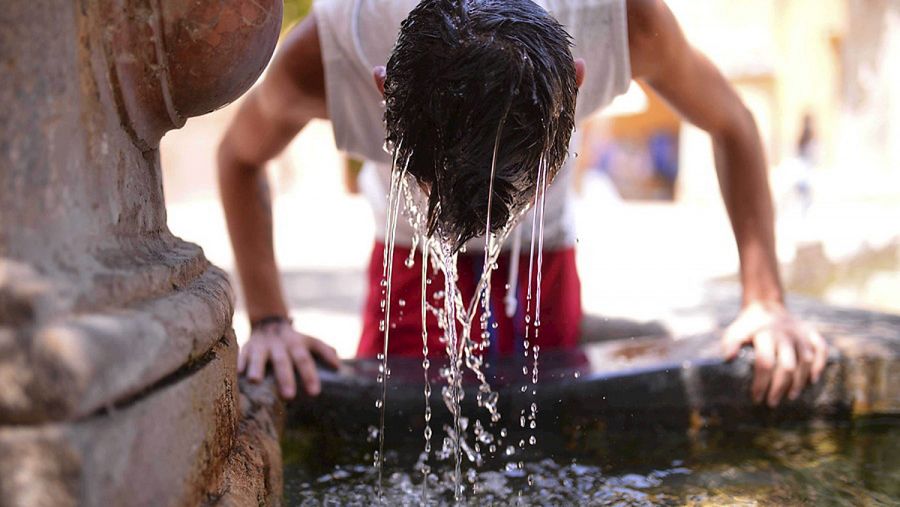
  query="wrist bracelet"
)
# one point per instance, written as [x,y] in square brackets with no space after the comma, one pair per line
[269,320]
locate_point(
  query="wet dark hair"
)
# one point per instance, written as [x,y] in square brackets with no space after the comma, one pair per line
[461,70]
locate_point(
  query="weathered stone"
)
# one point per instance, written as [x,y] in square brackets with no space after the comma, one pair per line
[651,383]
[72,366]
[97,299]
[162,448]
[39,469]
[253,473]
[116,354]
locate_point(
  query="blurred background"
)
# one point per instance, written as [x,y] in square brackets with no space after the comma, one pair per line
[820,77]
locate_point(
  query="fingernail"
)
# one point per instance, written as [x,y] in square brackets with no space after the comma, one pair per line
[793,395]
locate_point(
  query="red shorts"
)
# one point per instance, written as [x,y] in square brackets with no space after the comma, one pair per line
[560,304]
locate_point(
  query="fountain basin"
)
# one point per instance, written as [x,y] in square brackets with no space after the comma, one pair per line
[667,414]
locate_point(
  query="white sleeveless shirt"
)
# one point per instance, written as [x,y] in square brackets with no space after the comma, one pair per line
[356,35]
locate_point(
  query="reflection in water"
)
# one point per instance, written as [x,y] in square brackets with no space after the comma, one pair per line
[834,465]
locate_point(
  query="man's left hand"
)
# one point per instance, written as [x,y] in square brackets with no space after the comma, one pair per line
[789,353]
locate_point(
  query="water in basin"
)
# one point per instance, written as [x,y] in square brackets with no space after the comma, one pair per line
[836,463]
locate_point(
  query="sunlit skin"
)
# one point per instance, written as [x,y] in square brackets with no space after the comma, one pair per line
[789,353]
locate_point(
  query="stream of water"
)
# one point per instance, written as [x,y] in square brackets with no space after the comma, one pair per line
[455,317]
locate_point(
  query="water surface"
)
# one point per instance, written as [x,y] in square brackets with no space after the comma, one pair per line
[829,464]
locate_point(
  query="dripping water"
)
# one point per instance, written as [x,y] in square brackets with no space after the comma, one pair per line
[425,367]
[455,318]
[387,271]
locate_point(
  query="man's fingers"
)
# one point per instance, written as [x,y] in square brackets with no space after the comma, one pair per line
[785,366]
[256,367]
[307,368]
[820,349]
[326,352]
[805,356]
[284,370]
[740,332]
[764,345]
[731,344]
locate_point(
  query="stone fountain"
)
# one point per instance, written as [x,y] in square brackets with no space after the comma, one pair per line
[117,358]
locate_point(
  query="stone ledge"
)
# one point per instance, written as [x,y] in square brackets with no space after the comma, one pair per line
[160,449]
[71,368]
[649,383]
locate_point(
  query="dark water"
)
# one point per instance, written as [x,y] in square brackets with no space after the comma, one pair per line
[830,464]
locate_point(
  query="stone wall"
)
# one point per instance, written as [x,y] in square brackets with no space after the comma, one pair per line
[117,360]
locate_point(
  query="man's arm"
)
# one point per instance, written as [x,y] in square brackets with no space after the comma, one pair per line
[291,94]
[788,353]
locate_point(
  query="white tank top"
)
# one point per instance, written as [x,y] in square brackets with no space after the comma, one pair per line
[356,35]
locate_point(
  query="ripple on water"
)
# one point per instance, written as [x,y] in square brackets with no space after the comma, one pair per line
[836,465]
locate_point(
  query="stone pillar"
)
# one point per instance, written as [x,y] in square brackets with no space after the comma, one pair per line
[117,381]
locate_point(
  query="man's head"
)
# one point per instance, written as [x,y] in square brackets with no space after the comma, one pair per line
[464,76]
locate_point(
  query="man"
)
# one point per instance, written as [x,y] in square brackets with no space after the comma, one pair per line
[473,63]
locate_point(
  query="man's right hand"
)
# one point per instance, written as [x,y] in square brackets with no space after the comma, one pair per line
[279,343]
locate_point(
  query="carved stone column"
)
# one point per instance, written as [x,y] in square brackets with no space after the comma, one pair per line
[117,382]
